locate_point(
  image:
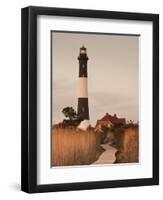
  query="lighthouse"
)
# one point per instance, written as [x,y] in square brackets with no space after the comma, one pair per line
[83,108]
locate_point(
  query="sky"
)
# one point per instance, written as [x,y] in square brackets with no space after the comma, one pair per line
[113,79]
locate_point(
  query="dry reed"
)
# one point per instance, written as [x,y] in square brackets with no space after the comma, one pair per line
[128,148]
[74,147]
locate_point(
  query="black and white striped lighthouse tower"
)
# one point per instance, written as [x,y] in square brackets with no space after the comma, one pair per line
[83,108]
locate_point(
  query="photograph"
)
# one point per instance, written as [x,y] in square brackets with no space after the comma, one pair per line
[94,98]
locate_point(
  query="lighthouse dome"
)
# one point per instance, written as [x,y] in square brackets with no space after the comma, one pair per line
[83,50]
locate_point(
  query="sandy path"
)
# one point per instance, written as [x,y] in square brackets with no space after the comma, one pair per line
[108,156]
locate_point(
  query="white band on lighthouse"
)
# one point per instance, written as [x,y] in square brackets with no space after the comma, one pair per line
[82,88]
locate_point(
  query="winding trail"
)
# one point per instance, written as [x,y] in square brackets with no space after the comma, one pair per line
[108,156]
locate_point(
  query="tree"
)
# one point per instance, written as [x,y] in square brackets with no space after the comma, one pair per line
[70,113]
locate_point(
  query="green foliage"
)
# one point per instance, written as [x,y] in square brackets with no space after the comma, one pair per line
[70,113]
[72,117]
[117,132]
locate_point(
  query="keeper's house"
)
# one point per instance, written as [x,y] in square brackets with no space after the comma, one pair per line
[110,121]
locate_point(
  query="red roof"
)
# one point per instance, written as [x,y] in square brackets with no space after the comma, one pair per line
[113,119]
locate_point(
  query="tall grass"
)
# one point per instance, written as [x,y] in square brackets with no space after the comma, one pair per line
[74,147]
[127,144]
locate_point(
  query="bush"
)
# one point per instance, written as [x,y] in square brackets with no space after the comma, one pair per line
[72,117]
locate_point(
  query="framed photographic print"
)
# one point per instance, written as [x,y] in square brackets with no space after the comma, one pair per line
[90,99]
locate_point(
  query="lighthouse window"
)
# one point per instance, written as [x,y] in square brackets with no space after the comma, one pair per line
[83,65]
[82,51]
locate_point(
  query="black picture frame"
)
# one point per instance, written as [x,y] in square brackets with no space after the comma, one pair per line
[29,98]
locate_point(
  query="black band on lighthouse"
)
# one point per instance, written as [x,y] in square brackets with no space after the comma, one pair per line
[83,62]
[83,69]
[83,110]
